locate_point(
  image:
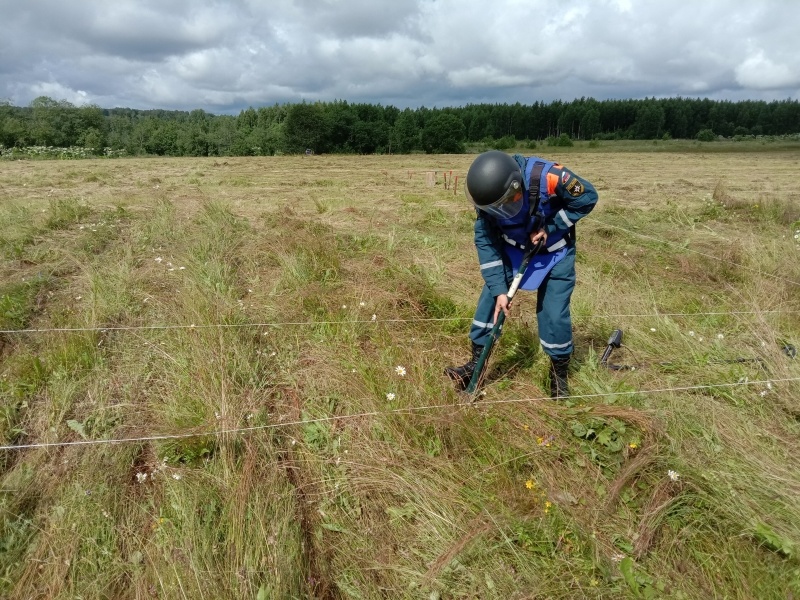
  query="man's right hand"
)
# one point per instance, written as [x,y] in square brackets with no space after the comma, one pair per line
[501,303]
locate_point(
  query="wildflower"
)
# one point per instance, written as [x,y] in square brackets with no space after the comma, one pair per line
[374,317]
[400,370]
[141,477]
[540,440]
[159,259]
[617,557]
[691,334]
[673,475]
[176,476]
[526,427]
[633,445]
[529,484]
[548,504]
[344,305]
[653,329]
[362,303]
[720,336]
[390,396]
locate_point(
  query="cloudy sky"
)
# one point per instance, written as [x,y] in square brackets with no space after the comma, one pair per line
[225,55]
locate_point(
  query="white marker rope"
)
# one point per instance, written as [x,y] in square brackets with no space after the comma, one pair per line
[411,409]
[357,321]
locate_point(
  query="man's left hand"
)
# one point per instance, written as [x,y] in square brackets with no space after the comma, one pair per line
[539,235]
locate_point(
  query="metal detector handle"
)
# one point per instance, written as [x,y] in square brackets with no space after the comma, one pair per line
[477,374]
[615,341]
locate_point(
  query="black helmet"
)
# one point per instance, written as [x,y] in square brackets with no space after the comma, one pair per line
[494,184]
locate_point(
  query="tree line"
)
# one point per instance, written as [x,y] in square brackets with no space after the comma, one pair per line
[358,128]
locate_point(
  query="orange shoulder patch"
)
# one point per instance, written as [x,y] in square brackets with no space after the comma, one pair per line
[552,182]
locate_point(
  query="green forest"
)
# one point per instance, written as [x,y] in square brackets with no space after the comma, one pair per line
[343,127]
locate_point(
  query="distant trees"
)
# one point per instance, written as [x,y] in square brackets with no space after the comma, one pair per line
[444,133]
[342,127]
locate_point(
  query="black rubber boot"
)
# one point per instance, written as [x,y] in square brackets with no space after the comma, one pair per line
[463,374]
[559,369]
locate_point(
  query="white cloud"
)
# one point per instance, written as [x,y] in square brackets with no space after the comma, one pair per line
[761,73]
[225,55]
[60,92]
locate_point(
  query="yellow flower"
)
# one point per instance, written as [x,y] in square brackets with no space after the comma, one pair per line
[594,583]
[633,445]
[529,484]
[540,440]
[526,427]
[548,504]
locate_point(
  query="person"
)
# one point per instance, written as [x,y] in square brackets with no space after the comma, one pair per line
[519,202]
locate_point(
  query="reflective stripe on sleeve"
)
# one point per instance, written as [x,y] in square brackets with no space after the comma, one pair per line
[489,265]
[564,218]
[558,245]
[513,242]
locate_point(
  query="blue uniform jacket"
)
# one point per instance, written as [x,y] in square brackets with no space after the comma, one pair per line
[568,199]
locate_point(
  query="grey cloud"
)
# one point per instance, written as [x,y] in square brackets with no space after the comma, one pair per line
[227,55]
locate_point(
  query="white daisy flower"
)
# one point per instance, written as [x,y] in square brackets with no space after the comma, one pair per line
[673,475]
[400,370]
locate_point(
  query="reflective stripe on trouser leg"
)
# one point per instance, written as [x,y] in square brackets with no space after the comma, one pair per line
[483,321]
[552,307]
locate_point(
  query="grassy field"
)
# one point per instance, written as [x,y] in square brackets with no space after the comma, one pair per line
[245,358]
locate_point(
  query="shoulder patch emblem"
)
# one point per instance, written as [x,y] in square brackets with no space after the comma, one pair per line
[575,188]
[564,177]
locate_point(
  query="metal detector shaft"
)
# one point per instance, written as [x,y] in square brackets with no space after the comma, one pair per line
[494,334]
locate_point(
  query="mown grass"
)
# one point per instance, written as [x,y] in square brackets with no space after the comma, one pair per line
[243,324]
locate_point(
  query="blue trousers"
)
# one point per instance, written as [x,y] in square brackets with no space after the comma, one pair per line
[552,310]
